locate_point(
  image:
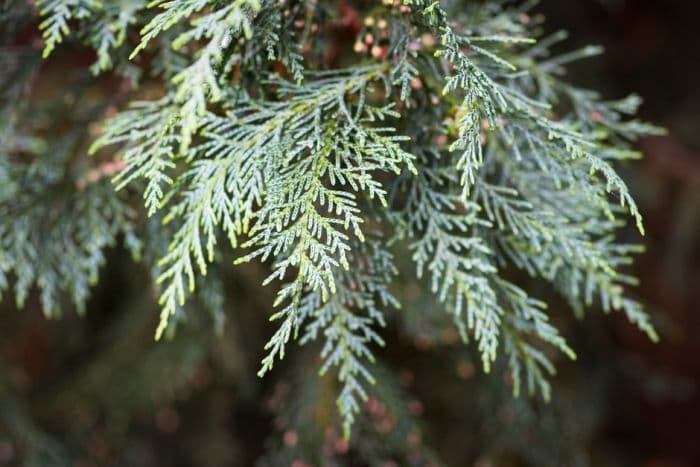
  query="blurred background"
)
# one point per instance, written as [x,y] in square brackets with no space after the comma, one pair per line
[96,390]
[651,50]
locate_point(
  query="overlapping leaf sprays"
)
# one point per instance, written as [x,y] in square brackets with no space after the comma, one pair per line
[455,138]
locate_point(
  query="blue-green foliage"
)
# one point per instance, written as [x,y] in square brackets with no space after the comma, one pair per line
[460,145]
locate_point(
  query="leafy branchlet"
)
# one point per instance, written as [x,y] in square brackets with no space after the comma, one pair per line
[458,138]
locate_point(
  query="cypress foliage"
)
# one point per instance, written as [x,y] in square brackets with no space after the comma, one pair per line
[444,132]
